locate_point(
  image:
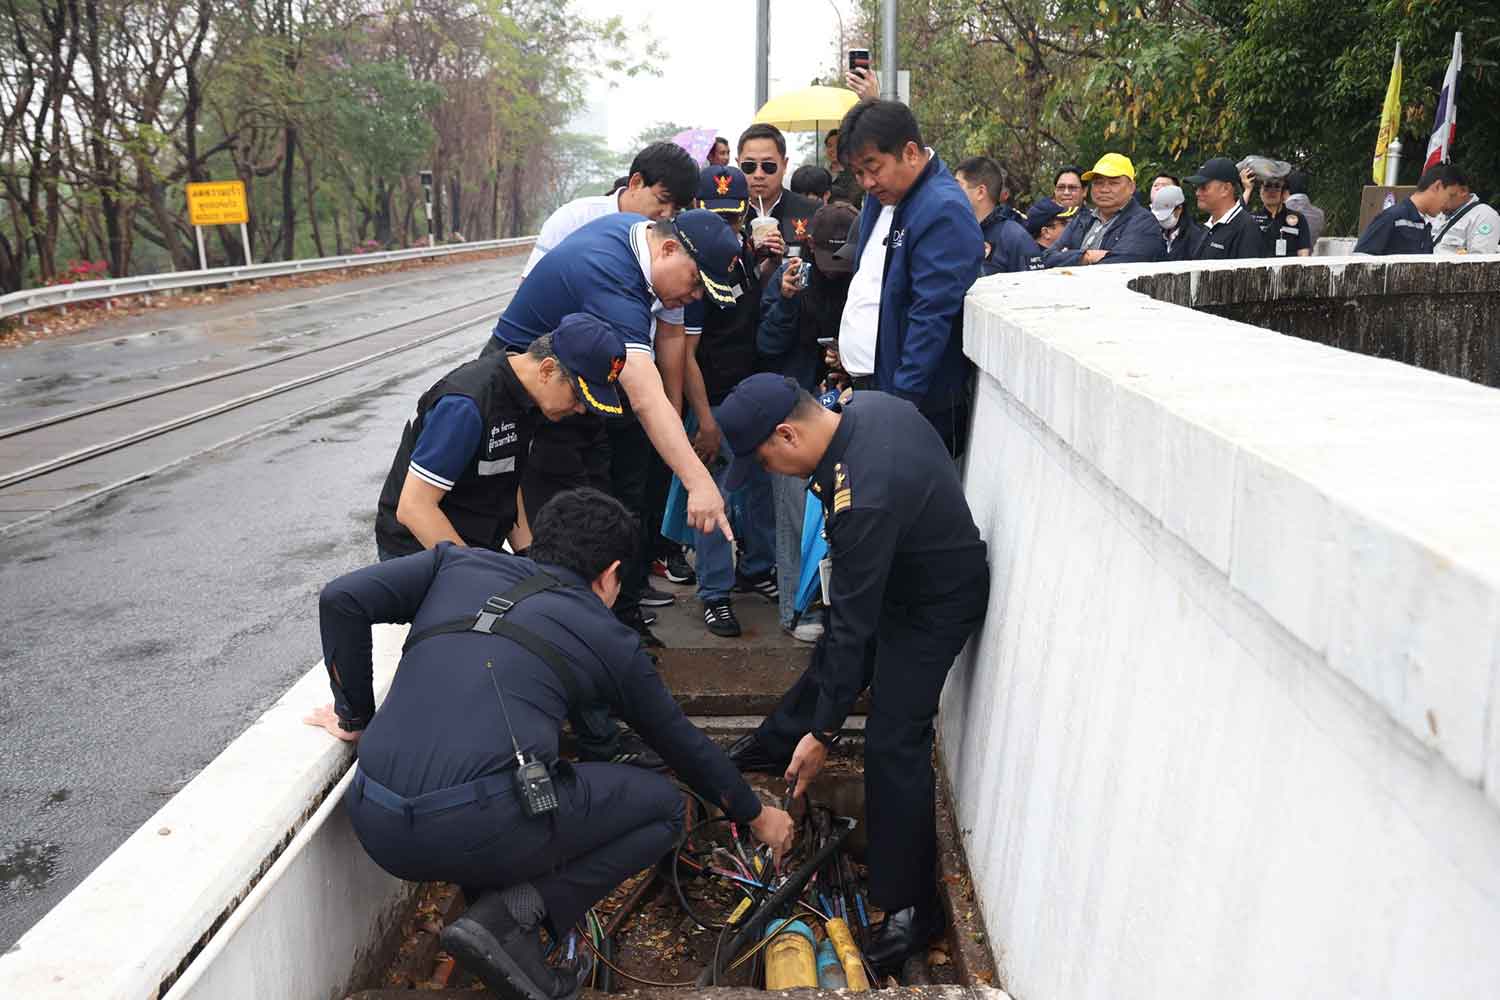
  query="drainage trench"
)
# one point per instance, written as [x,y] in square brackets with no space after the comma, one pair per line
[654,943]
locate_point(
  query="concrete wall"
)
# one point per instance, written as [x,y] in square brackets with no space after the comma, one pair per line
[1445,319]
[1229,729]
[247,883]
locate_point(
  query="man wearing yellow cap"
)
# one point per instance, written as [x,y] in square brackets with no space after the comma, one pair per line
[1118,230]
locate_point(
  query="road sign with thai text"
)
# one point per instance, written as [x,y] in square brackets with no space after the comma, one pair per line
[217,203]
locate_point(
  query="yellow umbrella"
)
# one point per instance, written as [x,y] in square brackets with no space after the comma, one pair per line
[811,109]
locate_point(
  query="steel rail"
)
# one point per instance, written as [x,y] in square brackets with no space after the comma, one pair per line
[156,430]
[109,404]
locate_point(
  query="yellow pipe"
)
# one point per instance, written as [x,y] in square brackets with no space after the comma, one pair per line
[849,958]
[790,960]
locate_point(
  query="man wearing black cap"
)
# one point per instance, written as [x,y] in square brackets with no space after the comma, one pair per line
[909,586]
[1232,231]
[616,268]
[455,475]
[721,352]
[1047,220]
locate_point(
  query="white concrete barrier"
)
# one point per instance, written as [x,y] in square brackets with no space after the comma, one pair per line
[247,883]
[1231,727]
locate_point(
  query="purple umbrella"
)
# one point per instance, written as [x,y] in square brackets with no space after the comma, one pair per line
[697,142]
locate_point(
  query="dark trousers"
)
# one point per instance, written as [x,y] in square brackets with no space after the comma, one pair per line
[905,667]
[612,821]
[630,458]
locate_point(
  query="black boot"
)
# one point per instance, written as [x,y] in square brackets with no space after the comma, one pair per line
[507,957]
[904,933]
[749,754]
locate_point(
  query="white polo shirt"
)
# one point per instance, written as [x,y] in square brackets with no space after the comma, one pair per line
[860,324]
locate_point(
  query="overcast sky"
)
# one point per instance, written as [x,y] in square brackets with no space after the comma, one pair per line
[708,70]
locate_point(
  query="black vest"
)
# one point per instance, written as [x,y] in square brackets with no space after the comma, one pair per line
[482,503]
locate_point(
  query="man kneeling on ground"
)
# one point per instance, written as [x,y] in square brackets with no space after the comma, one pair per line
[459,778]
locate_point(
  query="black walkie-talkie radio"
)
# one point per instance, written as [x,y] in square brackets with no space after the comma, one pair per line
[533,780]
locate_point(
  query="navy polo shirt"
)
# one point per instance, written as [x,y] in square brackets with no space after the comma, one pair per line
[602,269]
[1399,229]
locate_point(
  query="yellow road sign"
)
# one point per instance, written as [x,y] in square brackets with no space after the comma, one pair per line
[217,203]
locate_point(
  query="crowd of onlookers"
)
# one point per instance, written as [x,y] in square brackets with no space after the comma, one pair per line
[851,278]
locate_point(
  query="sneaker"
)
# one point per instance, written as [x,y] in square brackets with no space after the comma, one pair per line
[653,598]
[764,585]
[678,570]
[808,632]
[719,617]
[507,957]
[634,751]
[643,628]
[648,617]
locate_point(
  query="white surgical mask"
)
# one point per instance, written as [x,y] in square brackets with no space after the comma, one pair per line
[1169,223]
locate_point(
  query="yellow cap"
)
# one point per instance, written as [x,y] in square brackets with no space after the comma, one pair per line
[1112,165]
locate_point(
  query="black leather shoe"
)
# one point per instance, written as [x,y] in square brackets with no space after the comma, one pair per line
[748,754]
[507,957]
[904,933]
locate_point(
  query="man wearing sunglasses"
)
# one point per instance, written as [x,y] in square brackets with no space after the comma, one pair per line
[762,158]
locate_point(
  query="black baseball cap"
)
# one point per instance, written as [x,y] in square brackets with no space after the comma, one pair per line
[594,352]
[723,189]
[1220,168]
[829,233]
[715,248]
[749,415]
[1044,212]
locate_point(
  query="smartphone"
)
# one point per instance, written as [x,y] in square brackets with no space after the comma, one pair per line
[859,59]
[828,341]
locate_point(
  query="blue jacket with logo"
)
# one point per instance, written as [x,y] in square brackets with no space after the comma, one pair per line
[1134,236]
[932,257]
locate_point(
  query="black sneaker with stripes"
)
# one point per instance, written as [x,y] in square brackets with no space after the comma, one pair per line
[719,617]
[763,584]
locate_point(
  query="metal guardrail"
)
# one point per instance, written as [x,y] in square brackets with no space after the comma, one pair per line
[31,299]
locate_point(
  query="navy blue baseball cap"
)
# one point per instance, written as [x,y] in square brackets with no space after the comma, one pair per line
[749,415]
[594,352]
[715,248]
[723,189]
[1044,213]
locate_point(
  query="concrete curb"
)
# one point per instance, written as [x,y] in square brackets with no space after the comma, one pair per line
[136,925]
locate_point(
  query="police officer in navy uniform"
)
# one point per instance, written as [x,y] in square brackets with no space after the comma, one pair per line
[461,458]
[909,586]
[459,778]
[1008,247]
[1403,227]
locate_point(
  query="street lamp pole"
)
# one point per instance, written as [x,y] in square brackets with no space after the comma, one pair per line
[762,53]
[888,87]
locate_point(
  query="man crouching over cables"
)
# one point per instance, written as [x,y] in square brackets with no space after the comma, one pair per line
[459,778]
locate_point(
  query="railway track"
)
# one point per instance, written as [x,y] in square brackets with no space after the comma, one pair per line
[37,457]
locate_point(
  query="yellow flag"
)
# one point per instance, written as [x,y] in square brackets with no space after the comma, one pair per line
[1390,117]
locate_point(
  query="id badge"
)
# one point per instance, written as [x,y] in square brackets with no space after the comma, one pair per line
[825,574]
[1281,248]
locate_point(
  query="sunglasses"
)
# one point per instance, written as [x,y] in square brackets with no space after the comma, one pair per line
[767,167]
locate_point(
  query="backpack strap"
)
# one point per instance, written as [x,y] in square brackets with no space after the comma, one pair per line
[1452,219]
[491,621]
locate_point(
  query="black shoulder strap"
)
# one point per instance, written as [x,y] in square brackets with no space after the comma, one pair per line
[1451,220]
[491,620]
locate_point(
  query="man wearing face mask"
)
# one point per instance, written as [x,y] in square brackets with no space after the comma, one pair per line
[1184,235]
[1117,231]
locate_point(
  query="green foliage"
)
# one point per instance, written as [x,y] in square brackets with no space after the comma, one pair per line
[1170,83]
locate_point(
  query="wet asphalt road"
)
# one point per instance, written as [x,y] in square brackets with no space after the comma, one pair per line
[144,631]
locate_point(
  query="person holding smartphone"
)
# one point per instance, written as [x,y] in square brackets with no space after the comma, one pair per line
[800,311]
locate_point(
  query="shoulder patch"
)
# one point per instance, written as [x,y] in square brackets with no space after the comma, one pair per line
[1484,229]
[843,494]
[1291,218]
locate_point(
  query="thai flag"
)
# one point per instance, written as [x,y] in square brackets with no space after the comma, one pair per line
[1440,146]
